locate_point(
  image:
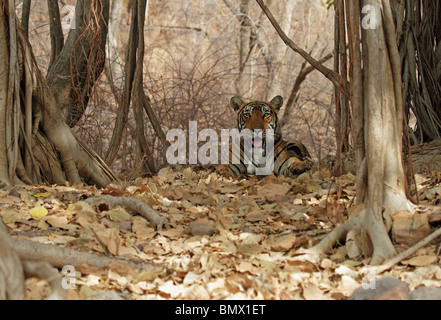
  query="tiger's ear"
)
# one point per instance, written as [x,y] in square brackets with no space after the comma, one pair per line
[236,103]
[277,102]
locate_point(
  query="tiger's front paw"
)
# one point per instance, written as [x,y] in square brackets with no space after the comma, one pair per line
[298,167]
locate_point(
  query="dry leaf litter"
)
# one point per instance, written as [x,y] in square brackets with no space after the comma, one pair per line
[222,239]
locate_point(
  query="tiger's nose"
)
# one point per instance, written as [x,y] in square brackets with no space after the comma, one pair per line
[256,122]
[258,133]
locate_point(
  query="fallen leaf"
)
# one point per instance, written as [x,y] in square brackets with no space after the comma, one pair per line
[272,190]
[348,285]
[250,249]
[141,228]
[59,222]
[42,195]
[187,174]
[409,228]
[238,282]
[110,238]
[312,292]
[283,243]
[244,267]
[119,214]
[174,233]
[38,212]
[169,288]
[82,210]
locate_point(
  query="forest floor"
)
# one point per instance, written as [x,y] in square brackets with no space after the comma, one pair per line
[222,239]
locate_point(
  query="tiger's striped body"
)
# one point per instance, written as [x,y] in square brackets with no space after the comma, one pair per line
[259,121]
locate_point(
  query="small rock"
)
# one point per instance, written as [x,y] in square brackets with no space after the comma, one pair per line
[386,288]
[426,294]
[200,229]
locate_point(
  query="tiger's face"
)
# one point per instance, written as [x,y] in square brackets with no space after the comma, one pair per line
[257,117]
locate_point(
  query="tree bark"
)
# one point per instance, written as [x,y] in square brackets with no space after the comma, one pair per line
[279,50]
[4,80]
[113,68]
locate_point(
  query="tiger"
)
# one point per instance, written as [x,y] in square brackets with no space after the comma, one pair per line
[259,121]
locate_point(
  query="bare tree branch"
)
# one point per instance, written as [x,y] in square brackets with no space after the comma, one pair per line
[334,77]
[303,73]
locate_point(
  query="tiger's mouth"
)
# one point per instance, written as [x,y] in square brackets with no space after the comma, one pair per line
[258,142]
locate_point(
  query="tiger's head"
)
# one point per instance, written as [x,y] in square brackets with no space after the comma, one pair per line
[257,117]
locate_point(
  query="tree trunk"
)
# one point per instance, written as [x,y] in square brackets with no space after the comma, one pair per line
[378,131]
[341,101]
[26,11]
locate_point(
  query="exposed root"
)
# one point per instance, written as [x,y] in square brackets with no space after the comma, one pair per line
[337,235]
[383,248]
[131,203]
[63,256]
